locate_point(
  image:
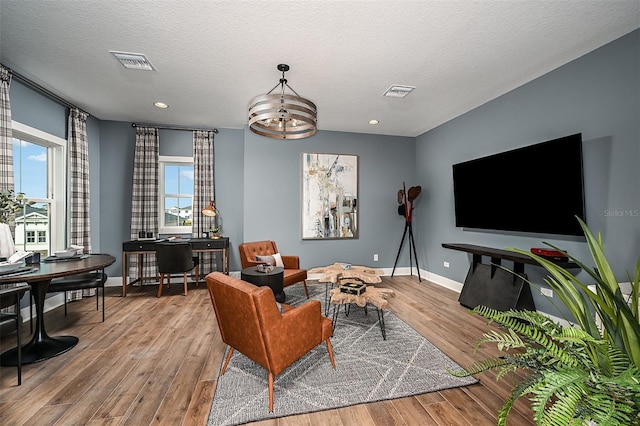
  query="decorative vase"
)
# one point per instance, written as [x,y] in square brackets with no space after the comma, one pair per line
[7,248]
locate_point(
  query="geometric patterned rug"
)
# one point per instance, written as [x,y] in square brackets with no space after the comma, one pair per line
[368,369]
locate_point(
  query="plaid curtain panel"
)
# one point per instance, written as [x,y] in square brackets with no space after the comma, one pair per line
[144,203]
[6,136]
[79,181]
[203,190]
[79,188]
[6,144]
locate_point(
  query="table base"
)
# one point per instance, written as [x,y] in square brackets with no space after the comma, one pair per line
[347,308]
[39,350]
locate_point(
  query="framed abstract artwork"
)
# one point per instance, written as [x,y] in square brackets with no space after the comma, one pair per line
[329,196]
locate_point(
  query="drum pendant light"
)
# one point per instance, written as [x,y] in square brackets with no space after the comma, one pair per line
[283,116]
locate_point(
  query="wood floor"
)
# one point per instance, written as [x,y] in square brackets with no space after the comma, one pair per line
[156,361]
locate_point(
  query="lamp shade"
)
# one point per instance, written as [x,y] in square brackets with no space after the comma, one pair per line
[210,210]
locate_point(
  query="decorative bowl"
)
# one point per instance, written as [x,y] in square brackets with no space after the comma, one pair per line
[7,267]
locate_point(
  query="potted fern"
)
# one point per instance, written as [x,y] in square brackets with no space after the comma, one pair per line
[573,375]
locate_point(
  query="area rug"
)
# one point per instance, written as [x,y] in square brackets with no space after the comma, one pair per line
[368,369]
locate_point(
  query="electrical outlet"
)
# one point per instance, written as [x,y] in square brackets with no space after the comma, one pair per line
[375,257]
[446,264]
[546,292]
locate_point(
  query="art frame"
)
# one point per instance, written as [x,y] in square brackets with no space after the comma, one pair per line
[329,196]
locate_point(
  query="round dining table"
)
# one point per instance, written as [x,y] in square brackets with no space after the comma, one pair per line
[42,346]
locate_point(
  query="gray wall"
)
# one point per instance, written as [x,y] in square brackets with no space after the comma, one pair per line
[273,191]
[597,95]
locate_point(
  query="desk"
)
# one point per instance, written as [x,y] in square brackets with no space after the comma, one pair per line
[42,346]
[198,245]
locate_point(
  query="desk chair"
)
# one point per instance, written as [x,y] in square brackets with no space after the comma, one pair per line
[95,280]
[174,258]
[10,296]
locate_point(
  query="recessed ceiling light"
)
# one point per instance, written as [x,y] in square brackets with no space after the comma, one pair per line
[161,105]
[373,122]
[398,91]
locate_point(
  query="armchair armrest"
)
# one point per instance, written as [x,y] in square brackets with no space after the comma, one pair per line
[291,262]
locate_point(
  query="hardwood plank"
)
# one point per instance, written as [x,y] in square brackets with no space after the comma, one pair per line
[412,412]
[325,418]
[200,404]
[464,407]
[47,415]
[356,415]
[385,413]
[444,413]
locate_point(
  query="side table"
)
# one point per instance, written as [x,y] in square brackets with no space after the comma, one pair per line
[373,296]
[273,279]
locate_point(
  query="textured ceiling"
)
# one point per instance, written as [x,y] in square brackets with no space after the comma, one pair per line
[212,57]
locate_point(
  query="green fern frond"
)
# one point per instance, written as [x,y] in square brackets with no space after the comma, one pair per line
[519,390]
[567,383]
[604,410]
[504,341]
[480,367]
[511,321]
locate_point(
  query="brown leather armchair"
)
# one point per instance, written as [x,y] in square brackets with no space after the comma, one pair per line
[292,272]
[250,322]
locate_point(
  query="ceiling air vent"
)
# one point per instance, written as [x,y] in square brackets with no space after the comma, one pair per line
[133,61]
[398,91]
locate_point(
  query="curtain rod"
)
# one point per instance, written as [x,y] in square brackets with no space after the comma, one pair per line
[41,89]
[172,127]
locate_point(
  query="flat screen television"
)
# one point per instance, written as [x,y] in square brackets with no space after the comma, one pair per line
[537,188]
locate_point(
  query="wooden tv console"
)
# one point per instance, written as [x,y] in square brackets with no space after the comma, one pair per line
[491,285]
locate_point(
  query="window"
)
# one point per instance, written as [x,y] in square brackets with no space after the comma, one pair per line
[39,167]
[175,195]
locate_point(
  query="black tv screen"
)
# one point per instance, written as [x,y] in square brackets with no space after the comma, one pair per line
[538,189]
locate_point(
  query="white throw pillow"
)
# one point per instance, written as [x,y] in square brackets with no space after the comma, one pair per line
[278,260]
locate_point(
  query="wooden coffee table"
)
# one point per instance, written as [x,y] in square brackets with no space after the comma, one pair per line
[374,296]
[336,273]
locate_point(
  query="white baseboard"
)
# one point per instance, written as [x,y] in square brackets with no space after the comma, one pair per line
[113,282]
[441,281]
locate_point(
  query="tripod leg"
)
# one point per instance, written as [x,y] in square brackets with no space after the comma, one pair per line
[406,224]
[410,252]
[412,244]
